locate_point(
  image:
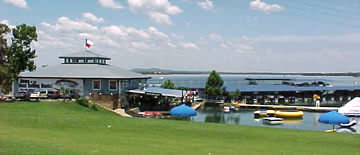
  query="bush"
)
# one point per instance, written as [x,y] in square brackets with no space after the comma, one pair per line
[94,107]
[83,101]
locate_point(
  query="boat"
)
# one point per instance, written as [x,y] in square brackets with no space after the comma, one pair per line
[273,121]
[226,109]
[264,113]
[260,113]
[352,108]
[348,125]
[330,131]
[289,114]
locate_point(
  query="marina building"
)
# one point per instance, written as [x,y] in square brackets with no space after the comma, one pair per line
[82,73]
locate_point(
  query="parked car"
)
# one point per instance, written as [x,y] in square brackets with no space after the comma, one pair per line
[53,94]
[22,95]
[45,93]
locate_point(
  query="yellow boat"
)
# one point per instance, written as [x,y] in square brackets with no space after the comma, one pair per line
[264,113]
[289,114]
[330,131]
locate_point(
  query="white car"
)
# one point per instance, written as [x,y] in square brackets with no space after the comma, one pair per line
[38,95]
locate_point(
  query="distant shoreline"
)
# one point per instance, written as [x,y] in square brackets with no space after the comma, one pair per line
[254,73]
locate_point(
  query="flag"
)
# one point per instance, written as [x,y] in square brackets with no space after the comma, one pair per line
[88,43]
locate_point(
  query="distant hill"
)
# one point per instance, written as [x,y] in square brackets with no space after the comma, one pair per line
[168,71]
[165,71]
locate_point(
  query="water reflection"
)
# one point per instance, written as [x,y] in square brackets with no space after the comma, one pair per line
[245,117]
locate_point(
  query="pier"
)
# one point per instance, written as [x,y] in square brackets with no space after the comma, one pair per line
[281,107]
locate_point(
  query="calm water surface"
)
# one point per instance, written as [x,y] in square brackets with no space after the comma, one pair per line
[246,117]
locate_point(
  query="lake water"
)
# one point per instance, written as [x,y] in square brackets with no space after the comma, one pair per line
[246,117]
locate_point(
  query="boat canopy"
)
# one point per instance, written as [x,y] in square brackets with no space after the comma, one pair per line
[352,108]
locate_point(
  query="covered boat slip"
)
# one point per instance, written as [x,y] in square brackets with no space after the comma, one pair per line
[155,99]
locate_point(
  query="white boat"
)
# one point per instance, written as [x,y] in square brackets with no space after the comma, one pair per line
[352,108]
[226,109]
[350,124]
[273,120]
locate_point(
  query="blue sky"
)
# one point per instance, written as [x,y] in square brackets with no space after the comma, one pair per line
[231,35]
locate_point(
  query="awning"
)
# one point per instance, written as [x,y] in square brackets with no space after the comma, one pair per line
[157,90]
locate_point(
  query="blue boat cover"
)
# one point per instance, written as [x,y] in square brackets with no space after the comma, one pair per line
[182,111]
[333,118]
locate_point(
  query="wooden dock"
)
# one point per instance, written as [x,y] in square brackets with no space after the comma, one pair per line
[283,107]
[197,106]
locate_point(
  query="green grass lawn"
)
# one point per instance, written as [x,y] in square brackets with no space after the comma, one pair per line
[67,128]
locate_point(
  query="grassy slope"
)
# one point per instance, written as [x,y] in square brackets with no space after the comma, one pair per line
[67,128]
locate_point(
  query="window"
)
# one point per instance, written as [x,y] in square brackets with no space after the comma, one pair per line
[112,84]
[96,85]
[125,84]
[90,61]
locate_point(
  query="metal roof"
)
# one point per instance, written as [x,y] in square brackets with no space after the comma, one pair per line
[278,88]
[283,88]
[157,90]
[83,71]
[86,53]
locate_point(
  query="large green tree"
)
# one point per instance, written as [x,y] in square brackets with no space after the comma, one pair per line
[19,56]
[4,76]
[214,85]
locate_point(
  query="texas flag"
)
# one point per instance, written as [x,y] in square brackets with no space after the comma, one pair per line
[88,43]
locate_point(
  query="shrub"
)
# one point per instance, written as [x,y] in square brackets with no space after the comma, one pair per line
[94,107]
[83,101]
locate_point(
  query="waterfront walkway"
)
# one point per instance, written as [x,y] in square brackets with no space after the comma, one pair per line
[283,107]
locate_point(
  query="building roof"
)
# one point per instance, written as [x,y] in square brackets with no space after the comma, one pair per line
[83,71]
[284,88]
[83,54]
[157,90]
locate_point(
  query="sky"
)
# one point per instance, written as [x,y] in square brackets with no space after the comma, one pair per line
[198,35]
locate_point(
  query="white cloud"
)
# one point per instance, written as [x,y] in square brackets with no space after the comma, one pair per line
[139,45]
[216,37]
[160,18]
[265,7]
[206,4]
[6,22]
[92,18]
[112,4]
[189,45]
[17,3]
[158,11]
[66,24]
[317,38]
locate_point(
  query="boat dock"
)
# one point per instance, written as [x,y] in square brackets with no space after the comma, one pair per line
[282,107]
[197,106]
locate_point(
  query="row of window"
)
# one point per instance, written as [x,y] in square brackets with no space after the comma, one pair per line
[96,85]
[85,60]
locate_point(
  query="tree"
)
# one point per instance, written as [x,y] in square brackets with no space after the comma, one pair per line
[17,57]
[236,94]
[168,84]
[21,56]
[214,85]
[5,81]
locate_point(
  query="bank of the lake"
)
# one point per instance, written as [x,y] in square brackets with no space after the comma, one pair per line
[68,128]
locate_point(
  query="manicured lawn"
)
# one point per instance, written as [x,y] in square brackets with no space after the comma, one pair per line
[67,128]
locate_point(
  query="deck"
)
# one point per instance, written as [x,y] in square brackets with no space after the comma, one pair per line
[282,107]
